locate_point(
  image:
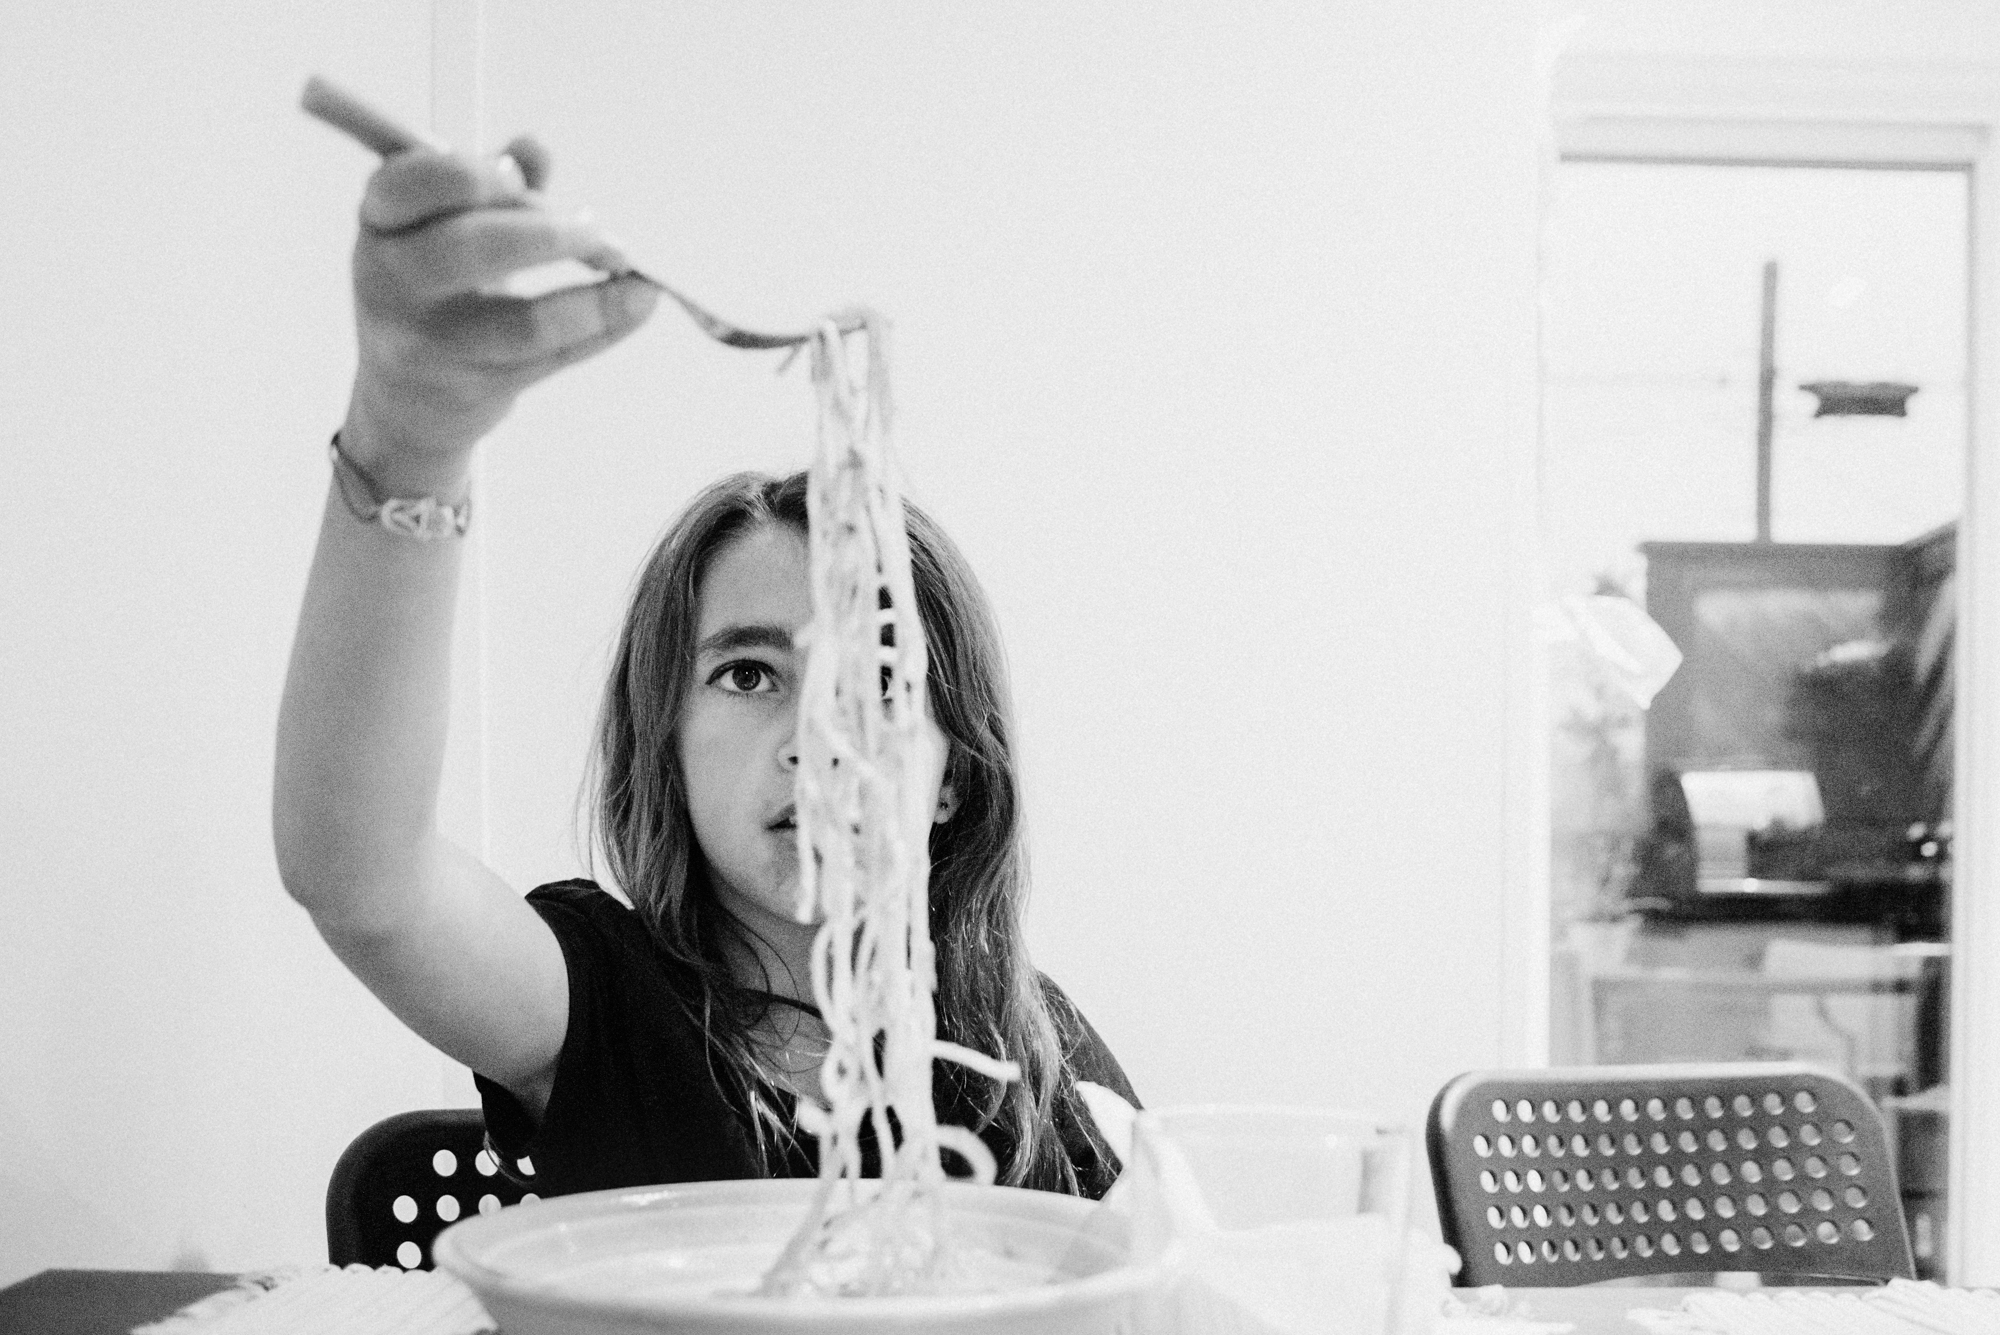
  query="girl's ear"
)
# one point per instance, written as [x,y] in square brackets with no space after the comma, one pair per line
[947,804]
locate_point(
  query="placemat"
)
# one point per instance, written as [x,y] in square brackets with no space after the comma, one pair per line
[331,1300]
[1902,1307]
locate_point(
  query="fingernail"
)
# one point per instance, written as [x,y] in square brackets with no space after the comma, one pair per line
[637,298]
[511,177]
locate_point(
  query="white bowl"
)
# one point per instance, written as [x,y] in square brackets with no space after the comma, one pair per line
[646,1261]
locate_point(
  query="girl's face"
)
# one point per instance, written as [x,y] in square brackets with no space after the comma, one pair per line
[738,726]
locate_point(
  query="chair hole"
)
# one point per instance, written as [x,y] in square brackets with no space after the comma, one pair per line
[1756,1204]
[1589,1212]
[1550,1111]
[1658,1140]
[1619,1248]
[1594,1248]
[1860,1230]
[1725,1207]
[1583,1179]
[1665,1210]
[1525,1110]
[1815,1166]
[1535,1179]
[482,1163]
[1487,1180]
[1781,1168]
[1774,1103]
[1632,1143]
[409,1255]
[1524,1253]
[1628,1110]
[1760,1238]
[1789,1202]
[525,1166]
[1531,1146]
[1712,1106]
[1482,1147]
[1809,1133]
[1751,1171]
[1827,1232]
[1554,1146]
[1686,1140]
[1575,1110]
[1607,1144]
[1794,1236]
[1670,1244]
[1694,1209]
[1717,1142]
[1843,1131]
[1742,1106]
[1640,1214]
[1855,1197]
[1503,1253]
[1777,1138]
[1601,1110]
[488,1203]
[1496,1217]
[1642,1244]
[1746,1136]
[1512,1180]
[447,1208]
[1566,1215]
[1684,1108]
[1519,1215]
[1804,1101]
[1822,1199]
[1656,1108]
[1729,1238]
[1698,1243]
[444,1163]
[1690,1175]
[1506,1145]
[1663,1176]
[1571,1251]
[1850,1165]
[1579,1145]
[1614,1213]
[527,1196]
[1560,1179]
[404,1208]
[1541,1216]
[1501,1112]
[1548,1249]
[1719,1173]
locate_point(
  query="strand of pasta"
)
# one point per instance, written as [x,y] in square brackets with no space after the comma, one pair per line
[864,821]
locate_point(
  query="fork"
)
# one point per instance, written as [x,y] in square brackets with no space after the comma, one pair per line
[385,136]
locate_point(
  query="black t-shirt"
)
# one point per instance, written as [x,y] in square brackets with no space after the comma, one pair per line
[634,1101]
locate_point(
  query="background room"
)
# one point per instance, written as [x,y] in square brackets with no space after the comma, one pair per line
[1217,348]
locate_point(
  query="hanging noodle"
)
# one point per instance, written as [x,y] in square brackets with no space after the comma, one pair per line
[864,819]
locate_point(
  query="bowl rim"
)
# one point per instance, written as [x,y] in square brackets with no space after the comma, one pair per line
[451,1251]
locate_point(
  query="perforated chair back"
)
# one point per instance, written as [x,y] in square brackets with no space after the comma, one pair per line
[1567,1176]
[400,1182]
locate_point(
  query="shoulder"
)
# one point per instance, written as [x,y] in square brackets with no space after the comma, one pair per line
[584,905]
[1085,1053]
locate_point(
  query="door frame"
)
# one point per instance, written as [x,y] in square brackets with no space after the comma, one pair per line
[1718,110]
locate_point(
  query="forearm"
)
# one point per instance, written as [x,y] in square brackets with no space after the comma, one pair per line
[361,729]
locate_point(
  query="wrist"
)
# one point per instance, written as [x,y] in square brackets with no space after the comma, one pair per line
[410,451]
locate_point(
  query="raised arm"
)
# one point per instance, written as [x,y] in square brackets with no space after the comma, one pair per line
[436,935]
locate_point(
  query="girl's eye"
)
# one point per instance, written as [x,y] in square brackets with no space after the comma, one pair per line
[744,679]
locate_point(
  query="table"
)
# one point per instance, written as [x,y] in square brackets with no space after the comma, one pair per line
[111,1302]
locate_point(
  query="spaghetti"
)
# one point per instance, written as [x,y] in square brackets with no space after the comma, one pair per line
[864,817]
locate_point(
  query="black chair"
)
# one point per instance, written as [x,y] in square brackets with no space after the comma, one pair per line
[1568,1176]
[400,1182]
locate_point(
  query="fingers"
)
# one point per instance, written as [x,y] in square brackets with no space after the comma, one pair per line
[533,159]
[476,250]
[422,185]
[530,337]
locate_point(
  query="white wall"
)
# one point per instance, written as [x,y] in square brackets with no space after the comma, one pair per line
[1216,333]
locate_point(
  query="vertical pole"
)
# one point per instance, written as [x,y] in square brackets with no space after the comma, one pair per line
[1767,376]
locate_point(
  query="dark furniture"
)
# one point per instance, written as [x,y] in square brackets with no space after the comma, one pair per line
[400,1182]
[1569,1176]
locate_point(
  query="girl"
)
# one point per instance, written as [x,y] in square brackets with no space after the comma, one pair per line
[668,1041]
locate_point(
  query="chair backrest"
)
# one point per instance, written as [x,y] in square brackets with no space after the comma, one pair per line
[1566,1176]
[400,1182]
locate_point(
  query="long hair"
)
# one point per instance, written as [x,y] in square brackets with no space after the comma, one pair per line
[989,995]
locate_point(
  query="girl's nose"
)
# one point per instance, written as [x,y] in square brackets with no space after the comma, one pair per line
[788,754]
